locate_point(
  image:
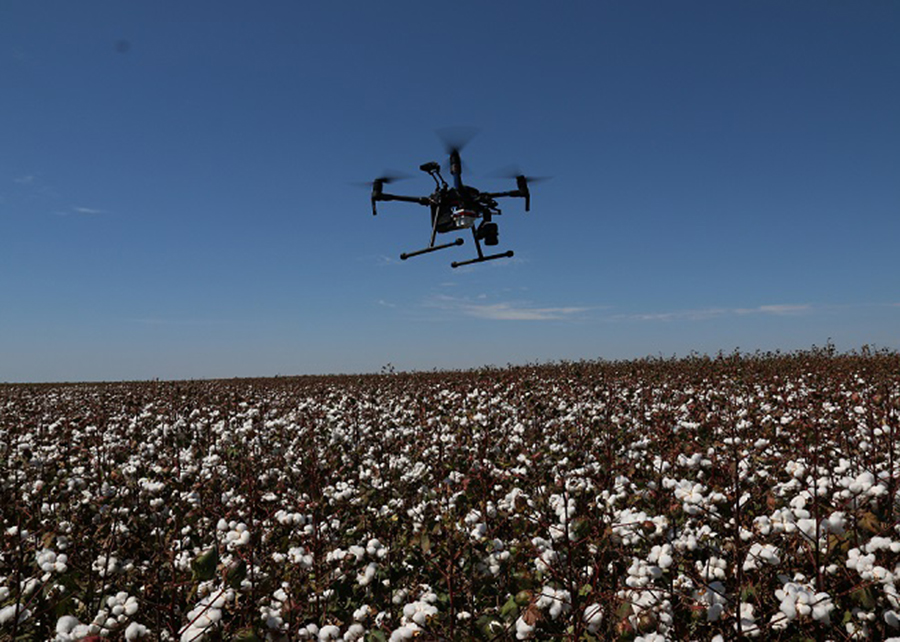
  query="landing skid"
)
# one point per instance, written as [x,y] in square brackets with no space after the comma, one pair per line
[482,259]
[433,248]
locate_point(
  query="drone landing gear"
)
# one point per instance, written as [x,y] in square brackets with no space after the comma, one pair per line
[490,240]
[432,248]
[482,259]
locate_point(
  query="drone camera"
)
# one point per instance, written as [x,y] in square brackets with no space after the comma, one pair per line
[430,167]
[489,233]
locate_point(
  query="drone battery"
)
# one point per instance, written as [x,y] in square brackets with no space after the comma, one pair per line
[463,218]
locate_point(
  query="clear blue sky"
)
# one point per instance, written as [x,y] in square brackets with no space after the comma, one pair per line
[176,198]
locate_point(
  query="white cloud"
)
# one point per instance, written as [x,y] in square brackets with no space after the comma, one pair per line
[25,180]
[503,311]
[782,309]
[711,313]
[87,210]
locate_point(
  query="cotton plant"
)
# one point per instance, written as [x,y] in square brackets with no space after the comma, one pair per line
[651,484]
[115,617]
[207,614]
[801,602]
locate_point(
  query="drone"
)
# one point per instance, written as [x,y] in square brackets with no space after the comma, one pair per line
[457,208]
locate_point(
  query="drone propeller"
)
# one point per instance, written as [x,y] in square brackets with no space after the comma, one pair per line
[386,178]
[378,184]
[513,171]
[455,139]
[522,181]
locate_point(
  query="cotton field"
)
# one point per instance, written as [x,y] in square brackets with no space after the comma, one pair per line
[697,499]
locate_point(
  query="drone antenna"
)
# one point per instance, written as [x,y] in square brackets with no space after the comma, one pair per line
[433,169]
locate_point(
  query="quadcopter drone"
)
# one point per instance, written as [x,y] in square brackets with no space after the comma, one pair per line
[456,208]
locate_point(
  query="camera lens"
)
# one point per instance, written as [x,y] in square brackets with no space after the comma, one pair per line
[489,233]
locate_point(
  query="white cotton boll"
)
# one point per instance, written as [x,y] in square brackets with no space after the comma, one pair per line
[376,549]
[796,469]
[8,613]
[419,612]
[713,597]
[131,606]
[405,632]
[892,619]
[192,634]
[807,527]
[298,555]
[204,620]
[329,633]
[365,578]
[788,607]
[836,523]
[30,585]
[766,553]
[354,632]
[65,624]
[593,617]
[558,601]
[524,631]
[661,556]
[862,483]
[308,632]
[763,524]
[822,608]
[877,490]
[748,621]
[136,631]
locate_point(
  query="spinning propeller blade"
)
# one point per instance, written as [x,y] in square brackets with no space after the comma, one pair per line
[522,181]
[386,178]
[513,171]
[455,139]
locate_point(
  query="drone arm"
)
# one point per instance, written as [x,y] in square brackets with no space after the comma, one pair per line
[518,193]
[381,196]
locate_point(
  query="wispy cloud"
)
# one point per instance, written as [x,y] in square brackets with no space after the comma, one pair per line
[83,211]
[712,313]
[173,321]
[504,310]
[378,259]
[25,180]
[780,309]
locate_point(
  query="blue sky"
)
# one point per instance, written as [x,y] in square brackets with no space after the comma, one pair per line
[176,195]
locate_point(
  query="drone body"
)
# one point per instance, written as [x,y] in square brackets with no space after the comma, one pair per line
[456,208]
